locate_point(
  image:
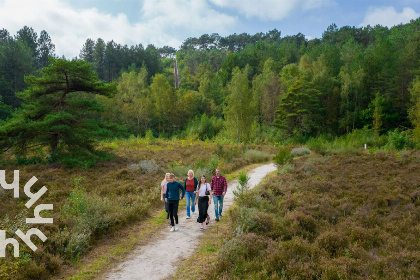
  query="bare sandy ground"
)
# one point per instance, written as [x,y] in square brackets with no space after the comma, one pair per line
[158,259]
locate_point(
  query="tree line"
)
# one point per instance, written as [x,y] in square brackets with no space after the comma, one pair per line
[260,87]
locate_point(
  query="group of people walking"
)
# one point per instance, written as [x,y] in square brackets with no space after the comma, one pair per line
[196,192]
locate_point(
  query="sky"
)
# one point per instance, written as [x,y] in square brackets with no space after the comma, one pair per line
[170,22]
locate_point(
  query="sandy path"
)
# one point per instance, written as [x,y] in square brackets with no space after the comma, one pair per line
[157,260]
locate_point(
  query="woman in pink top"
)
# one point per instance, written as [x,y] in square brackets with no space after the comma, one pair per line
[163,192]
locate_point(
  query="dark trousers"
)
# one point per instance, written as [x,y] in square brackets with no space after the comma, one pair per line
[173,211]
[203,206]
[166,209]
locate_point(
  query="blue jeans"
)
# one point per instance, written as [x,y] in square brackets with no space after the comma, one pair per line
[191,205]
[218,204]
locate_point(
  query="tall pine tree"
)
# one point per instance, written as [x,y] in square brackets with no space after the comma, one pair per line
[57,113]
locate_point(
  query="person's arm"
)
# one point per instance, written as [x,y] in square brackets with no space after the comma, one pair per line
[195,184]
[224,186]
[183,190]
[211,195]
[167,193]
[196,199]
[161,192]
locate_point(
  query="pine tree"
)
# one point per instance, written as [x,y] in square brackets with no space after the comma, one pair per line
[57,113]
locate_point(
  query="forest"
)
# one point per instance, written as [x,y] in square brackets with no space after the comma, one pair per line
[260,88]
[100,129]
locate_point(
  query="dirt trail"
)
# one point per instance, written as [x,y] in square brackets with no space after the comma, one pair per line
[157,260]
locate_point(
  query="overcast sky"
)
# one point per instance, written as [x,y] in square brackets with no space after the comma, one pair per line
[169,22]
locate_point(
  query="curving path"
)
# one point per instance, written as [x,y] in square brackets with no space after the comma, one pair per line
[157,260]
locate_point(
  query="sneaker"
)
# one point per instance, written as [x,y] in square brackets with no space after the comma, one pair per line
[176,228]
[202,228]
[217,219]
[220,215]
[172,228]
[208,221]
[188,217]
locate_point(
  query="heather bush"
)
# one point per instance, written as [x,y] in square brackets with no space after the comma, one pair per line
[334,217]
[302,151]
[286,168]
[256,156]
[145,166]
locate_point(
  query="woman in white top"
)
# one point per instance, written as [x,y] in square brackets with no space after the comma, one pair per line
[204,191]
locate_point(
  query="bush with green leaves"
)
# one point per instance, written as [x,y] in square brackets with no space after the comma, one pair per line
[398,140]
[283,156]
[243,184]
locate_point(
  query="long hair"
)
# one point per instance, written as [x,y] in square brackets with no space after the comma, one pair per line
[199,182]
[164,180]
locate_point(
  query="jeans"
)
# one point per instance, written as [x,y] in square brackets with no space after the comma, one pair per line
[188,196]
[218,204]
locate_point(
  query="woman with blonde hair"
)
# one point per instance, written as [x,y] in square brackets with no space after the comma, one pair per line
[190,186]
[163,192]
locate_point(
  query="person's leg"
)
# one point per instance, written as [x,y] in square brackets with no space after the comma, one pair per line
[192,201]
[216,205]
[221,205]
[187,197]
[176,203]
[167,210]
[171,212]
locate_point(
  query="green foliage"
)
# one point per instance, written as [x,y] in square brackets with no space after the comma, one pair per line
[5,110]
[58,114]
[242,186]
[77,201]
[299,111]
[414,112]
[239,112]
[399,140]
[228,153]
[283,156]
[205,127]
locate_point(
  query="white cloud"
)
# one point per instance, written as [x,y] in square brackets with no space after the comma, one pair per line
[388,16]
[161,22]
[270,9]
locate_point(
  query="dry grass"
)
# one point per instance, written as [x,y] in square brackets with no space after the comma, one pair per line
[118,198]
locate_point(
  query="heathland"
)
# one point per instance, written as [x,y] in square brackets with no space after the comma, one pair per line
[321,217]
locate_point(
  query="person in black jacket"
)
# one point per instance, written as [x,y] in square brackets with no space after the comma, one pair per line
[172,198]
